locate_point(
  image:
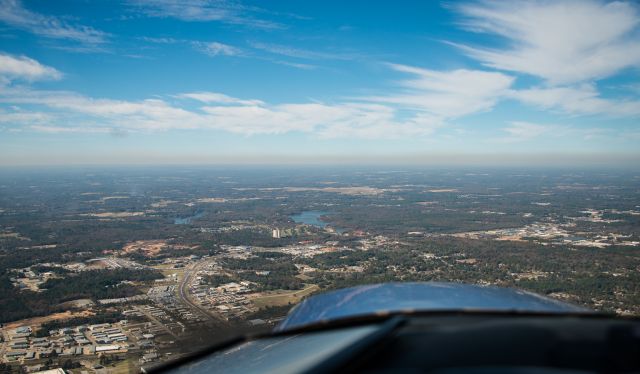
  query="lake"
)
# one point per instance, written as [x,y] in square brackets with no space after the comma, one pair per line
[311,217]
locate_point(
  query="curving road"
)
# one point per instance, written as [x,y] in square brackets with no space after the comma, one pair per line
[183,293]
[155,320]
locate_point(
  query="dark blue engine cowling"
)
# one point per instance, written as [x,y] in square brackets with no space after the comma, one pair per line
[428,296]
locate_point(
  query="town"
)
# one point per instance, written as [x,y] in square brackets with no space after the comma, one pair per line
[123,280]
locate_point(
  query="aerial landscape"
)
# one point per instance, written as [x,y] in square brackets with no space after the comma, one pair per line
[179,254]
[179,173]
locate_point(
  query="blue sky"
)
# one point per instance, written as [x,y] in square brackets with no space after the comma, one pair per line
[197,81]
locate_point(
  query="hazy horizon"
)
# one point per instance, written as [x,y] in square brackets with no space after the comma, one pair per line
[553,161]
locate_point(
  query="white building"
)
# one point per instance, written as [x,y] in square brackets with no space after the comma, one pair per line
[276,233]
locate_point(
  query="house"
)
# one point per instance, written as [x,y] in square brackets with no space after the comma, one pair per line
[107,348]
[144,344]
[149,357]
[23,330]
[51,371]
[82,328]
[14,354]
[256,322]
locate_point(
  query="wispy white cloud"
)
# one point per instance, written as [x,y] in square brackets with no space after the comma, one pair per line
[422,103]
[216,97]
[214,49]
[569,44]
[160,40]
[152,114]
[425,102]
[632,87]
[448,94]
[205,11]
[523,131]
[299,53]
[22,67]
[207,47]
[217,49]
[14,14]
[21,118]
[296,65]
[562,42]
[66,130]
[581,99]
[325,120]
[68,110]
[81,48]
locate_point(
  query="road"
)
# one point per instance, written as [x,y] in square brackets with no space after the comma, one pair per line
[183,293]
[156,321]
[298,294]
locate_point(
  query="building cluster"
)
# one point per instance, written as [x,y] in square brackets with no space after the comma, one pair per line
[29,279]
[595,216]
[378,241]
[22,345]
[178,263]
[238,226]
[551,233]
[310,250]
[167,305]
[123,300]
[228,300]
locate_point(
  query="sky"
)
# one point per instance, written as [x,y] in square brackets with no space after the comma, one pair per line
[420,82]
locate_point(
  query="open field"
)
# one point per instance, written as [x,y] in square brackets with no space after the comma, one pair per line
[121,367]
[168,270]
[37,321]
[279,298]
[354,191]
[148,248]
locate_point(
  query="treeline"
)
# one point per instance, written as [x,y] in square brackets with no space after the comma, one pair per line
[281,264]
[604,279]
[330,260]
[95,284]
[251,237]
[281,271]
[53,269]
[273,281]
[21,258]
[218,279]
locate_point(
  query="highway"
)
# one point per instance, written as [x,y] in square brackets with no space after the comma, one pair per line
[183,293]
[156,321]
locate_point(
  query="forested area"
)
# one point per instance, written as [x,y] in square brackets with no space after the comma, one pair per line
[281,271]
[605,279]
[94,284]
